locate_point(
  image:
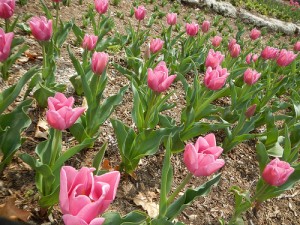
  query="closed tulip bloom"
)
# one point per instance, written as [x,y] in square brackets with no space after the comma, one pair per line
[269,53]
[5,44]
[231,44]
[101,6]
[216,41]
[251,58]
[140,12]
[201,159]
[205,26]
[297,46]
[59,100]
[277,172]
[192,29]
[285,57]
[89,42]
[159,79]
[254,34]
[172,18]
[83,196]
[156,45]
[214,59]
[251,76]
[99,62]
[7,8]
[250,111]
[215,79]
[41,28]
[235,50]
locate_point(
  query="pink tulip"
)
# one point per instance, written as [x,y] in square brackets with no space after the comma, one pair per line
[235,50]
[140,12]
[231,44]
[214,59]
[192,29]
[99,62]
[7,8]
[250,111]
[83,196]
[89,42]
[41,28]
[251,76]
[251,58]
[158,79]
[269,53]
[297,46]
[285,57]
[101,6]
[5,44]
[201,159]
[254,34]
[172,18]
[156,45]
[277,172]
[205,26]
[215,79]
[216,41]
[60,114]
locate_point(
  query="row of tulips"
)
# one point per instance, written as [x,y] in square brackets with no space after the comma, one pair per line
[85,194]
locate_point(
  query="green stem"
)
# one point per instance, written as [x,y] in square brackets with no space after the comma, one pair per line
[138,29]
[179,188]
[6,25]
[150,108]
[99,23]
[44,74]
[56,146]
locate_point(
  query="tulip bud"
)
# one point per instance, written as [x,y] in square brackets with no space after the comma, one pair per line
[7,8]
[269,53]
[192,29]
[235,50]
[5,44]
[251,76]
[231,44]
[297,46]
[250,111]
[99,62]
[215,79]
[140,13]
[254,34]
[214,59]
[156,45]
[41,28]
[205,26]
[172,18]
[285,58]
[101,6]
[277,172]
[89,42]
[216,41]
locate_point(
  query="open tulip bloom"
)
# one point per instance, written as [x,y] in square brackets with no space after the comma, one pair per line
[5,44]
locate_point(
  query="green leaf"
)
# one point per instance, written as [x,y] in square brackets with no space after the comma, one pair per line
[132,218]
[61,35]
[161,221]
[50,200]
[97,161]
[262,156]
[187,198]
[42,94]
[287,145]
[78,130]
[137,110]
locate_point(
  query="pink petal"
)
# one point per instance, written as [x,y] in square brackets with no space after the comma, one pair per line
[190,157]
[111,178]
[97,221]
[55,120]
[73,220]
[211,139]
[201,144]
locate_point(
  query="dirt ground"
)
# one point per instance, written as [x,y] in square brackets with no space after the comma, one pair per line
[241,167]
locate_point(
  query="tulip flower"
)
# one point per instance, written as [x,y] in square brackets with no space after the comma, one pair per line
[158,79]
[277,172]
[140,13]
[255,34]
[7,8]
[201,159]
[192,29]
[89,42]
[216,41]
[214,59]
[60,114]
[172,18]
[41,28]
[83,196]
[215,79]
[235,50]
[297,46]
[285,57]
[269,53]
[156,45]
[251,76]
[251,58]
[231,44]
[205,26]
[101,6]
[99,62]
[250,111]
[5,44]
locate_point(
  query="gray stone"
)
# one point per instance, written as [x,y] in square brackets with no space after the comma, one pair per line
[224,8]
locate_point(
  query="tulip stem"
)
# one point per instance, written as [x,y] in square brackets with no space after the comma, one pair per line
[260,192]
[138,29]
[56,146]
[150,108]
[44,74]
[179,188]
[6,25]
[99,24]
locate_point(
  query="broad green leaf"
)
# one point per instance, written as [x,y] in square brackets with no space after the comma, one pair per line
[97,161]
[262,156]
[132,218]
